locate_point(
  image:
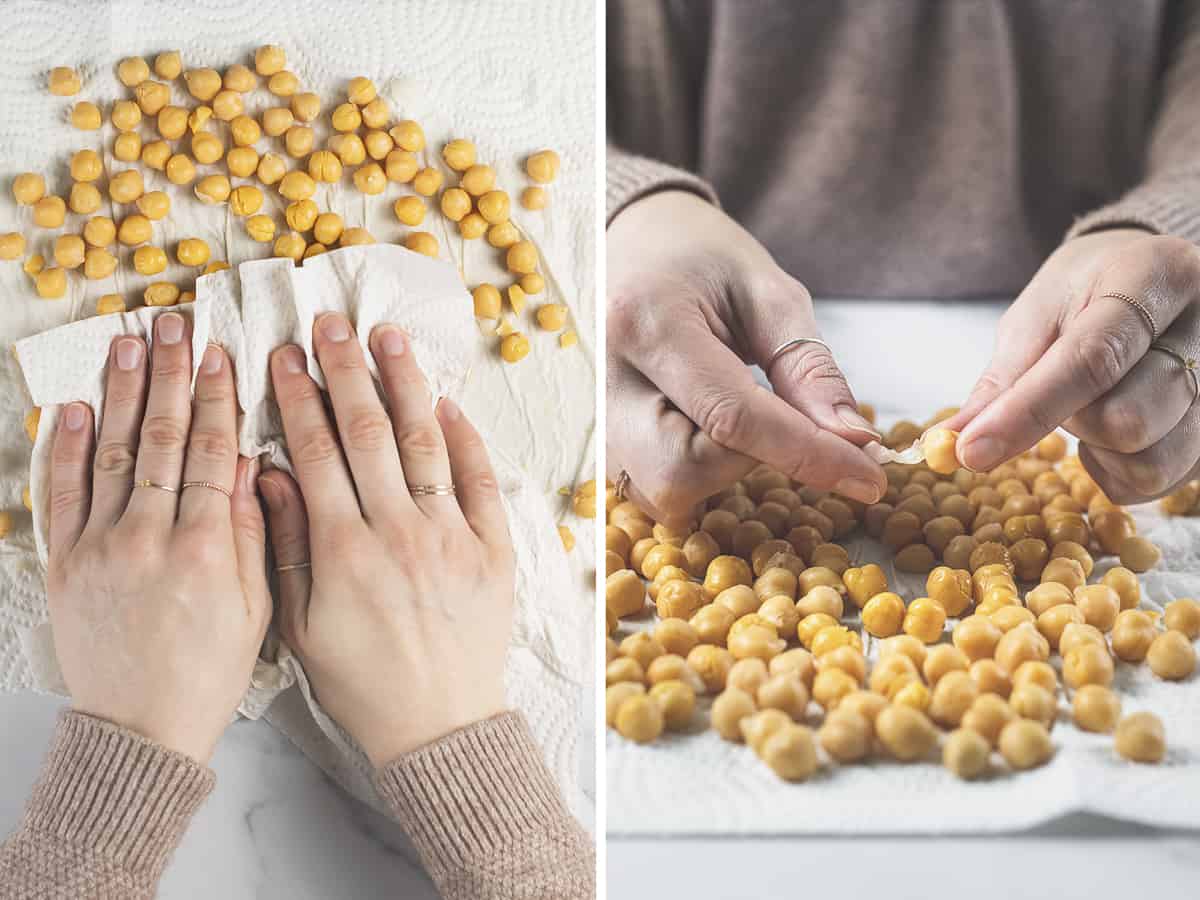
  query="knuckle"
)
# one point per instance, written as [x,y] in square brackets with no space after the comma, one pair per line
[811,363]
[211,445]
[482,482]
[172,371]
[64,500]
[162,432]
[1181,257]
[367,430]
[422,440]
[115,458]
[298,389]
[347,358]
[626,317]
[1100,358]
[1124,425]
[317,448]
[723,417]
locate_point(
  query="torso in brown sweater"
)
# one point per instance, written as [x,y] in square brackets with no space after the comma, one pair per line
[911,147]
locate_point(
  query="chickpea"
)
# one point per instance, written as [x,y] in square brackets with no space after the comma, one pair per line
[12,245]
[180,170]
[198,119]
[785,692]
[301,215]
[1140,737]
[950,589]
[622,669]
[624,593]
[269,59]
[162,293]
[285,84]
[914,694]
[830,686]
[883,615]
[712,664]
[1096,708]
[455,204]
[900,530]
[892,672]
[346,117]
[375,114]
[677,700]
[132,71]
[1099,604]
[1132,635]
[99,231]
[642,647]
[401,166]
[534,198]
[867,704]
[521,257]
[271,169]
[640,718]
[845,735]
[905,733]
[227,105]
[941,660]
[1009,616]
[134,230]
[369,179]
[864,582]
[833,636]
[85,165]
[905,645]
[953,695]
[728,710]
[724,572]
[305,106]
[1172,656]
[1138,554]
[298,141]
[747,675]
[1049,594]
[676,636]
[478,180]
[940,448]
[494,207]
[240,79]
[1025,744]
[86,116]
[760,726]
[127,147]
[542,166]
[1054,620]
[149,260]
[966,753]
[126,187]
[51,284]
[849,659]
[781,612]
[110,303]
[1029,556]
[1019,645]
[84,198]
[759,640]
[203,84]
[988,715]
[246,200]
[64,81]
[33,265]
[1183,615]
[192,252]
[172,122]
[328,227]
[29,187]
[69,250]
[958,552]
[797,661]
[533,283]
[277,120]
[924,620]
[154,205]
[378,144]
[155,155]
[679,599]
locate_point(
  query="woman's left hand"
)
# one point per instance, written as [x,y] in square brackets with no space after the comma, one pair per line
[1079,348]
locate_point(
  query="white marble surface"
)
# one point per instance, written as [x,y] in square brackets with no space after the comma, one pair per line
[910,359]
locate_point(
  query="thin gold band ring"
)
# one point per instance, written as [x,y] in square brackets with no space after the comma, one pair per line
[1139,306]
[211,485]
[789,345]
[146,482]
[1189,364]
[431,490]
[293,566]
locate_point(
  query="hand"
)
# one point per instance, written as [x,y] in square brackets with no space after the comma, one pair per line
[158,600]
[403,621]
[1068,355]
[692,298]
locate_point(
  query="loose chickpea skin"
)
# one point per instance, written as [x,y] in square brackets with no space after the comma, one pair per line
[1172,656]
[1140,737]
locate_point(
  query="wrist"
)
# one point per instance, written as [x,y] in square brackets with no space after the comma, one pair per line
[197,744]
[389,738]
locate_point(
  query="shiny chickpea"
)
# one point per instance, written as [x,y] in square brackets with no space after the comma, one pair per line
[521,257]
[940,448]
[132,71]
[1111,528]
[29,187]
[85,165]
[624,593]
[180,170]
[161,293]
[84,198]
[478,180]
[950,589]
[305,106]
[50,284]
[192,252]
[126,187]
[455,204]
[1140,737]
[1029,556]
[712,664]
[1171,656]
[227,105]
[154,205]
[369,179]
[298,141]
[277,120]
[301,215]
[149,260]
[378,144]
[63,81]
[883,615]
[542,166]
[924,620]
[1138,554]
[134,230]
[864,582]
[245,200]
[905,733]
[679,599]
[724,572]
[1099,604]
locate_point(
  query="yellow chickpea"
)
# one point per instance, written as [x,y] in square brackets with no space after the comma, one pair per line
[64,81]
[180,170]
[149,260]
[86,116]
[950,589]
[69,250]
[127,146]
[455,204]
[1088,664]
[203,84]
[277,120]
[84,198]
[1140,737]
[378,144]
[245,200]
[126,187]
[283,84]
[151,97]
[1172,656]
[494,207]
[12,245]
[49,212]
[227,105]
[375,114]
[988,715]
[533,283]
[521,257]
[29,187]
[503,236]
[33,265]
[1025,744]
[883,615]
[427,181]
[924,620]
[542,166]
[132,71]
[86,165]
[51,284]
[154,205]
[1183,615]
[1099,604]
[271,169]
[328,227]
[905,733]
[408,135]
[192,252]
[212,189]
[552,316]
[269,59]
[239,78]
[459,155]
[155,155]
[370,179]
[534,198]
[1096,708]
[478,180]
[172,122]
[298,141]
[110,303]
[356,237]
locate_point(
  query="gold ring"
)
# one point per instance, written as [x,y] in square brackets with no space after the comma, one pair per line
[1139,306]
[211,485]
[146,482]
[431,490]
[303,565]
[622,484]
[1188,363]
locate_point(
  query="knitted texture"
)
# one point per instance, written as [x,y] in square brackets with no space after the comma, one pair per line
[630,177]
[487,817]
[105,816]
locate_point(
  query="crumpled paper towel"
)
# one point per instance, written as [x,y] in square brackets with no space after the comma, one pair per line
[699,784]
[252,310]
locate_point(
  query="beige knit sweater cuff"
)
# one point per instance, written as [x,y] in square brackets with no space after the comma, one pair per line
[106,814]
[1167,204]
[632,177]
[486,816]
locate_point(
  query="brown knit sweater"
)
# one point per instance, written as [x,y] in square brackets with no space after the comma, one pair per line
[892,148]
[479,804]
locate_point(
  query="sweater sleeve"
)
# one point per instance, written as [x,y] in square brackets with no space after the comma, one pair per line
[1167,200]
[487,818]
[656,62]
[107,812]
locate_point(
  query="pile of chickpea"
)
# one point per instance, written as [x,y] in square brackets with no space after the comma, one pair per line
[183,137]
[754,605]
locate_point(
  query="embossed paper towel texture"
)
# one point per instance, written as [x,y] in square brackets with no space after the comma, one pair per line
[529,85]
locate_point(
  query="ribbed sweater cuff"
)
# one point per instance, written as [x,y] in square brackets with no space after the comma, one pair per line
[632,177]
[478,797]
[116,795]
[1169,204]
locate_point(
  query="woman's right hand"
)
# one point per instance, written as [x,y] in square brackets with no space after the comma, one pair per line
[403,621]
[693,297]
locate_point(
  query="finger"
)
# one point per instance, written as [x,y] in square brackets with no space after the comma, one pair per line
[474,480]
[70,479]
[117,446]
[1094,350]
[1138,477]
[320,467]
[424,456]
[1143,408]
[212,450]
[287,521]
[672,465]
[806,375]
[250,540]
[366,432]
[714,388]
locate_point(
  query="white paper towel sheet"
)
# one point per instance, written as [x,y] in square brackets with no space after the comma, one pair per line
[514,78]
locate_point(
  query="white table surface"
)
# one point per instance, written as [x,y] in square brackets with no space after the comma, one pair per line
[909,359]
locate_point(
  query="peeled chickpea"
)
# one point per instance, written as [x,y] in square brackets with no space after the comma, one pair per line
[1088,664]
[1053,621]
[478,180]
[328,227]
[33,265]
[378,144]
[426,244]
[284,84]
[86,116]
[494,207]
[939,446]
[905,645]
[924,620]
[966,753]
[622,669]
[172,122]
[51,284]
[63,81]
[298,141]
[127,147]
[301,215]
[152,97]
[271,169]
[534,198]
[126,187]
[503,236]
[830,686]
[149,260]
[427,181]
[180,170]
[905,733]
[455,204]
[132,71]
[712,664]
[85,165]
[521,257]
[154,205]
[269,59]
[110,303]
[845,735]
[134,230]
[192,252]
[883,614]
[69,250]
[155,155]
[1047,595]
[227,105]
[29,187]
[260,227]
[1019,645]
[12,245]
[864,582]
[277,120]
[346,117]
[408,135]
[1099,604]
[84,198]
[1140,737]
[542,166]
[459,155]
[202,84]
[297,186]
[640,718]
[370,179]
[914,694]
[245,200]
[679,599]
[1172,656]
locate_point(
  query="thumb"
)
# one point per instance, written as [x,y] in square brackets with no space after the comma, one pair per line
[805,374]
[250,538]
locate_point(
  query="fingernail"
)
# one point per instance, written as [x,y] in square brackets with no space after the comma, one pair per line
[852,419]
[449,410]
[74,416]
[981,454]
[292,359]
[212,360]
[129,354]
[335,328]
[270,492]
[858,489]
[393,341]
[170,328]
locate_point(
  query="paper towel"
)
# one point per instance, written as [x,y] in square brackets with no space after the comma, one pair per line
[512,77]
